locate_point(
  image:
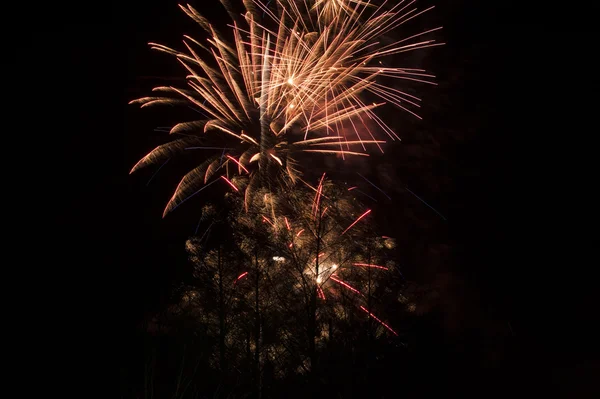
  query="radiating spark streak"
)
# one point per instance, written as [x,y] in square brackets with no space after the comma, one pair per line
[277,159]
[317,199]
[371,183]
[321,254]
[410,37]
[365,125]
[238,163]
[320,139]
[321,293]
[351,288]
[158,170]
[300,232]
[230,183]
[419,198]
[266,219]
[255,157]
[393,95]
[303,77]
[352,188]
[240,277]
[369,265]
[356,221]
[209,148]
[338,152]
[379,321]
[351,142]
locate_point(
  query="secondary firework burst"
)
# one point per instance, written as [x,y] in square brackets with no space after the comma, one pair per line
[322,248]
[282,84]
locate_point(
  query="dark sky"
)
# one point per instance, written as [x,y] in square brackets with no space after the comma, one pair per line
[516,154]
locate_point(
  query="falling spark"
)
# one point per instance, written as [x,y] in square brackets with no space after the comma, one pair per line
[368,265]
[321,254]
[317,199]
[321,293]
[230,183]
[351,288]
[266,219]
[287,223]
[209,148]
[237,162]
[356,221]
[380,322]
[240,277]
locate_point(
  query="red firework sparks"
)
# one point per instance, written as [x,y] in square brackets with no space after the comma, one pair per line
[380,322]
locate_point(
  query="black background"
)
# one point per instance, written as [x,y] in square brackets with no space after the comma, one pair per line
[523,223]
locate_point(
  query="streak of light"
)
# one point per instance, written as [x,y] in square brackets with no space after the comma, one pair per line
[230,183]
[356,221]
[351,288]
[423,201]
[371,183]
[369,265]
[158,170]
[240,277]
[380,322]
[238,163]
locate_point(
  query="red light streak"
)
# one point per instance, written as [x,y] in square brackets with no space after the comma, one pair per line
[356,221]
[380,322]
[239,164]
[321,293]
[230,183]
[240,276]
[351,288]
[266,219]
[368,265]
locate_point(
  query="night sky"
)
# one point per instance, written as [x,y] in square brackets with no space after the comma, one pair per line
[504,150]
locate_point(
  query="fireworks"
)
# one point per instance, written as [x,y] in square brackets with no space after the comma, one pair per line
[329,10]
[286,86]
[290,80]
[324,246]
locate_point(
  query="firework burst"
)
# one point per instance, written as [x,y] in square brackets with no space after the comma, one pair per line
[282,85]
[322,248]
